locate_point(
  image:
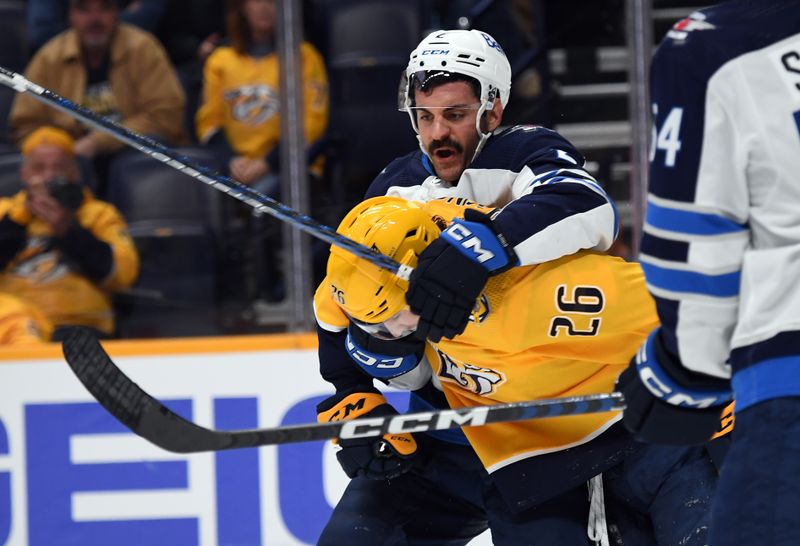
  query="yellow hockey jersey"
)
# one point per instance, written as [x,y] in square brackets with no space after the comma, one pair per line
[21,323]
[41,276]
[241,97]
[562,328]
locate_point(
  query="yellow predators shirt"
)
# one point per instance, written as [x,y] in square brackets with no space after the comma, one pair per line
[21,323]
[42,276]
[241,97]
[564,328]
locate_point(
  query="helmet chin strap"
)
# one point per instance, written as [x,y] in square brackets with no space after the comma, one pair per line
[487,105]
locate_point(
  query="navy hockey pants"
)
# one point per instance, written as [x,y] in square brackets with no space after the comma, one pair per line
[658,495]
[758,498]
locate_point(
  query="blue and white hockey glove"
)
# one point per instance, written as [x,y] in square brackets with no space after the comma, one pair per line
[375,458]
[396,362]
[452,272]
[667,404]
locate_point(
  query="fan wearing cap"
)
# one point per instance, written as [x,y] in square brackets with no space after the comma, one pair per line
[564,328]
[62,250]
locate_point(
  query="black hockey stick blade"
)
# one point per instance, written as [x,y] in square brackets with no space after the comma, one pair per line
[150,419]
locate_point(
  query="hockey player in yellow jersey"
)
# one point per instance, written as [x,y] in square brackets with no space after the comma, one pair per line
[562,328]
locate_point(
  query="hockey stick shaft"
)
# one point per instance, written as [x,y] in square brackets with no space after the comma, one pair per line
[150,419]
[158,151]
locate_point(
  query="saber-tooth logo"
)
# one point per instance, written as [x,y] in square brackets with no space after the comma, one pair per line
[482,381]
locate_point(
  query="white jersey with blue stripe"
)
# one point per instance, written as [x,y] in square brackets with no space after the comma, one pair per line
[721,245]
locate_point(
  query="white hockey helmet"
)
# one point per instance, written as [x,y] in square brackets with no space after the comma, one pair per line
[468,52]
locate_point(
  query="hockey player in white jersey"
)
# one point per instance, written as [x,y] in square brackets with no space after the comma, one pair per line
[548,207]
[721,253]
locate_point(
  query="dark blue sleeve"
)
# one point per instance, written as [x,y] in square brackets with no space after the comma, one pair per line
[409,170]
[561,209]
[336,366]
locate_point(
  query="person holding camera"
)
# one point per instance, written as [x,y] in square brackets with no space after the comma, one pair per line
[62,250]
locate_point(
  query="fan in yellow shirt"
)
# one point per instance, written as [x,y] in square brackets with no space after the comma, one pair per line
[21,323]
[62,250]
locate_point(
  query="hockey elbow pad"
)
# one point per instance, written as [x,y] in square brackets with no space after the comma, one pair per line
[375,458]
[667,404]
[453,270]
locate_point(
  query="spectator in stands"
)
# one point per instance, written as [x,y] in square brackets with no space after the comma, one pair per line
[21,323]
[62,250]
[112,68]
[239,113]
[46,18]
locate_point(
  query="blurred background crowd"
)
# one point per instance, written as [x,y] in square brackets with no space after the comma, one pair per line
[141,250]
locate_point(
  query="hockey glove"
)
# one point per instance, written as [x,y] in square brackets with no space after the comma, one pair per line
[667,404]
[396,362]
[375,458]
[452,272]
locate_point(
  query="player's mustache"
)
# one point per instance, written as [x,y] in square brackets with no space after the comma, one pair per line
[446,143]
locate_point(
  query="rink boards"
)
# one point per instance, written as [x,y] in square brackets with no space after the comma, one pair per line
[70,474]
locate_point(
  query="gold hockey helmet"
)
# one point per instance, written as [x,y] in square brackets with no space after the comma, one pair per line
[393,226]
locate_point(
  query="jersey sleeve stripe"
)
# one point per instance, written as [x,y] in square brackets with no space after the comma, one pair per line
[691,282]
[768,379]
[690,223]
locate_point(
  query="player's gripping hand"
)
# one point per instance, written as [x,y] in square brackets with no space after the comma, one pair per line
[667,404]
[452,272]
[376,458]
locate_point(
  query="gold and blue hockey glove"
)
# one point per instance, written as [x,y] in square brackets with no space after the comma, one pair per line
[453,270]
[375,458]
[667,404]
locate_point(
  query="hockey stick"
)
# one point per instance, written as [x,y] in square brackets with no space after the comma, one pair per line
[234,188]
[154,422]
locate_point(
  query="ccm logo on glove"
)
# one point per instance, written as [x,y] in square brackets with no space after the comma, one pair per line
[374,457]
[478,242]
[463,236]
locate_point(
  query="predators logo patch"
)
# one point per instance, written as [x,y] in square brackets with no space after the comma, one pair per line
[252,104]
[481,310]
[482,381]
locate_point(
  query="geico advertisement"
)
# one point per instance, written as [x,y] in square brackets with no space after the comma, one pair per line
[70,474]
